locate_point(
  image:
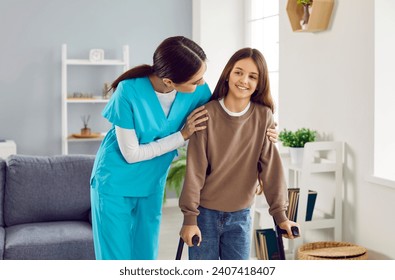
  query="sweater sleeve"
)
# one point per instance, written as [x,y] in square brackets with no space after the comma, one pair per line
[272,176]
[195,177]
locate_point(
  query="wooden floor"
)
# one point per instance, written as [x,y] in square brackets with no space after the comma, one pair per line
[169,233]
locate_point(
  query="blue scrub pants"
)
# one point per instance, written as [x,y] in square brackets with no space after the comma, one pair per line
[126,228]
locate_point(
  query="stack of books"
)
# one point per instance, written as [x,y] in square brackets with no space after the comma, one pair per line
[293,197]
[266,246]
[266,242]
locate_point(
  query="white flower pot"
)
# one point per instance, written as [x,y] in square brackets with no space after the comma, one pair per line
[296,155]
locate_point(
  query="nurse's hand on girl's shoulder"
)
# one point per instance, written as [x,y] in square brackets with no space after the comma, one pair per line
[272,133]
[194,121]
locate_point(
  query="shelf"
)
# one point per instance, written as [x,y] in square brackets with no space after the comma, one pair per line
[86,100]
[317,165]
[319,18]
[108,62]
[71,138]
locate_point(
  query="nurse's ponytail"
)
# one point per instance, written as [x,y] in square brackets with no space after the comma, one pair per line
[176,58]
[136,72]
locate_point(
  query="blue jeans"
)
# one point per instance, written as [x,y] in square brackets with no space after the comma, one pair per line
[225,235]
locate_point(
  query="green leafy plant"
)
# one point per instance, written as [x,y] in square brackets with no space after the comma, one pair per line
[175,178]
[304,2]
[298,138]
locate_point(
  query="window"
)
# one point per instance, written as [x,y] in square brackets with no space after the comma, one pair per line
[384,113]
[263,34]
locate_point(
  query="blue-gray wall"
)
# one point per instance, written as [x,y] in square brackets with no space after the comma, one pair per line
[31,35]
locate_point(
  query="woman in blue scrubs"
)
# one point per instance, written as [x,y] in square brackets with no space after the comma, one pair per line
[153,111]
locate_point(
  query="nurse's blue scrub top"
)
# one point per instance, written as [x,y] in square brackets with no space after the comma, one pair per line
[134,105]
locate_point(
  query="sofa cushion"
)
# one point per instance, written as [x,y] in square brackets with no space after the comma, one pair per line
[2,183]
[69,240]
[43,189]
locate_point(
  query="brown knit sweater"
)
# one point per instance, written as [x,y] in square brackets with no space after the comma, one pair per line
[222,164]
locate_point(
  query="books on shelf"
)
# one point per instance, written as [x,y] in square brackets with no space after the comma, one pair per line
[293,199]
[266,244]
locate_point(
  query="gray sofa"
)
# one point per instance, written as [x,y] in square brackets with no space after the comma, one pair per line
[45,208]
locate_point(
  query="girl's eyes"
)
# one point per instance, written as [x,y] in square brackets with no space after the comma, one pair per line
[239,73]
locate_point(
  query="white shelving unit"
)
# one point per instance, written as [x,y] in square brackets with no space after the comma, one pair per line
[67,101]
[322,158]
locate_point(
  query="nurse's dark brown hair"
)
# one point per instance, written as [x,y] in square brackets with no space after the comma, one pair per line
[176,58]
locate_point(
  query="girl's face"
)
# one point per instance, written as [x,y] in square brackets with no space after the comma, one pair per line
[243,79]
[190,86]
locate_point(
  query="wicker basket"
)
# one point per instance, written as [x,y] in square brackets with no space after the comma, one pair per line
[331,251]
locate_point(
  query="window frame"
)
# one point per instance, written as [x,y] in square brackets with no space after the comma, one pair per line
[274,71]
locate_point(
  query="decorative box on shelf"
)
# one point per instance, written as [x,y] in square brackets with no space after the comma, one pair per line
[320,15]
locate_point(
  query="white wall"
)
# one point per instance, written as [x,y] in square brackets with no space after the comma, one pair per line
[32,33]
[327,84]
[217,26]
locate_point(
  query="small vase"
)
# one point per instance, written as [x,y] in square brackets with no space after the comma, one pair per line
[85,131]
[296,155]
[107,91]
[306,16]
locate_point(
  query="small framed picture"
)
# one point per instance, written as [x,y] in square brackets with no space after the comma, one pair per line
[96,55]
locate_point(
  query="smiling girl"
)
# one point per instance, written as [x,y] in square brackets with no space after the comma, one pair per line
[226,161]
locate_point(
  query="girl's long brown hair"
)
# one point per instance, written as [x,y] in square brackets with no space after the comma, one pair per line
[176,58]
[262,93]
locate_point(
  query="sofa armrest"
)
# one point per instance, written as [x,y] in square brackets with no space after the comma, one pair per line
[90,217]
[2,184]
[2,242]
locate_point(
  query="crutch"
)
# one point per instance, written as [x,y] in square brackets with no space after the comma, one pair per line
[195,241]
[279,234]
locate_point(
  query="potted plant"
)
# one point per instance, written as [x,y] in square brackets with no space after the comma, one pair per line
[296,140]
[175,178]
[304,2]
[306,12]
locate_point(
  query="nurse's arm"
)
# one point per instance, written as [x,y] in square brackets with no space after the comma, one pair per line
[133,151]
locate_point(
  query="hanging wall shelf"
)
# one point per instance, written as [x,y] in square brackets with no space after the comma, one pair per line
[320,15]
